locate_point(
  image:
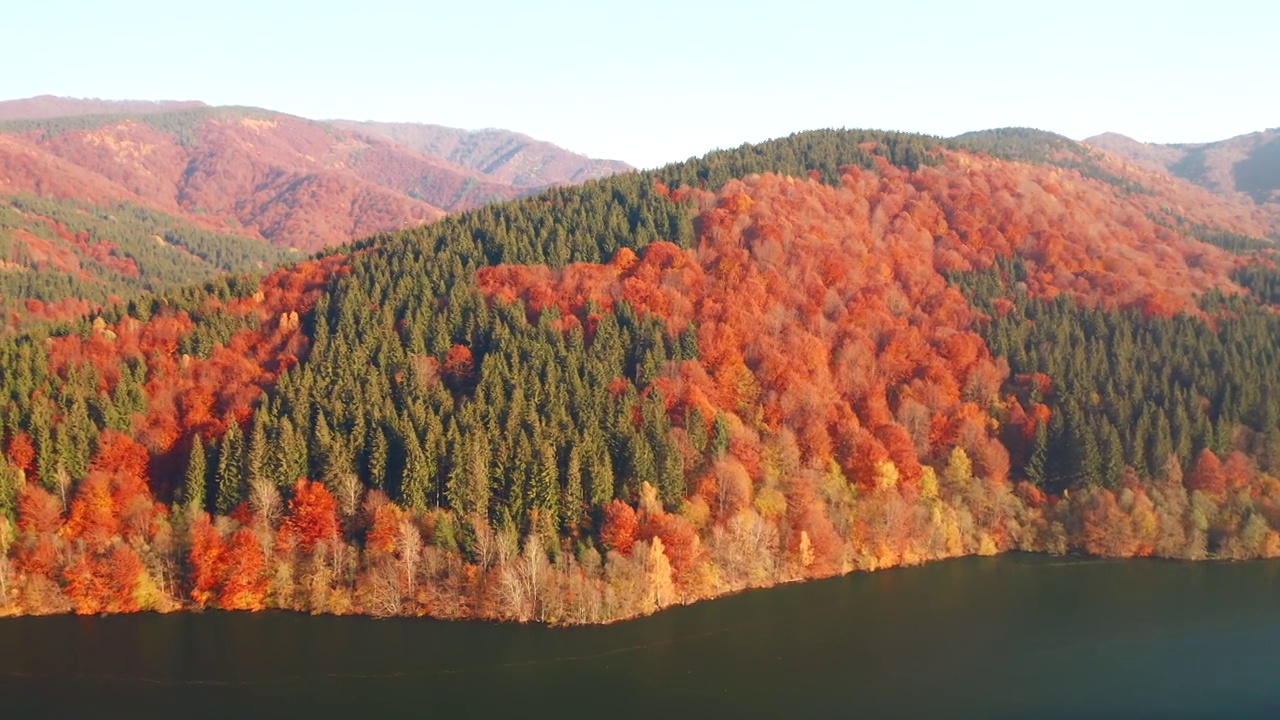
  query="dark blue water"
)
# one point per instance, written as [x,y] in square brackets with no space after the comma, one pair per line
[1016,636]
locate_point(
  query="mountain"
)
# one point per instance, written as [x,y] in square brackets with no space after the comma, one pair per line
[1248,164]
[50,106]
[244,175]
[502,155]
[837,351]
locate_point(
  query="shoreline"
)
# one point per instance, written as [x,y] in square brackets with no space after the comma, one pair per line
[1069,558]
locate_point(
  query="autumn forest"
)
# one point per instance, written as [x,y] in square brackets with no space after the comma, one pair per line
[833,352]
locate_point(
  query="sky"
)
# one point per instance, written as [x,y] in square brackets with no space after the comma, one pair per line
[658,81]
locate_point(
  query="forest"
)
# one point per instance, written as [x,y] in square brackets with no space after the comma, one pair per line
[838,351]
[61,259]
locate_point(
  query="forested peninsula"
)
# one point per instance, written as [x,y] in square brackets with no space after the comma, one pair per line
[838,351]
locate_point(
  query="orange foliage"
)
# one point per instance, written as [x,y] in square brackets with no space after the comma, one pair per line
[242,567]
[618,531]
[458,363]
[1207,475]
[204,558]
[385,531]
[816,308]
[105,583]
[313,517]
[39,512]
[679,539]
[120,454]
[93,516]
[22,452]
[194,395]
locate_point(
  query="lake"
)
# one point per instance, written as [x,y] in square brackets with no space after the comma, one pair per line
[1013,636]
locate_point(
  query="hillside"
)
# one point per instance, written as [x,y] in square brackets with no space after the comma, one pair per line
[242,175]
[1248,164]
[501,155]
[62,259]
[832,352]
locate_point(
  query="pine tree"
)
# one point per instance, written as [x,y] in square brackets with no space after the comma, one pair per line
[572,497]
[1112,456]
[1180,431]
[1223,430]
[689,344]
[10,486]
[670,475]
[720,436]
[1269,456]
[321,447]
[377,455]
[413,480]
[288,457]
[1136,448]
[546,483]
[1159,445]
[231,489]
[1035,467]
[643,465]
[695,427]
[1087,465]
[257,450]
[601,481]
[193,490]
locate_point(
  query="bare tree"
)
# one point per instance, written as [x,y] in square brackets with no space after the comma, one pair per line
[385,590]
[264,498]
[6,539]
[409,545]
[347,490]
[62,481]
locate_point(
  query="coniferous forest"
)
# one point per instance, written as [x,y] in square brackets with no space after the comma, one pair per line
[832,352]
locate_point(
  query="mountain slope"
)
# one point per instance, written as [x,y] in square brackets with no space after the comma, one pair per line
[836,351]
[502,155]
[243,174]
[295,182]
[1248,164]
[223,165]
[61,259]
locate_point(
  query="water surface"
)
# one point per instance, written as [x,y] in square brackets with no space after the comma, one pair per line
[1015,636]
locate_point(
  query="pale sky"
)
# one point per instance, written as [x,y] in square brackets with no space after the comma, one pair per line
[654,81]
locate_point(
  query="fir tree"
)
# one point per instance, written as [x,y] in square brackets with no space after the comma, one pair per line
[229,474]
[193,490]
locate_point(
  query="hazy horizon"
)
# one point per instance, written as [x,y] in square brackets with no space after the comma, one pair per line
[676,80]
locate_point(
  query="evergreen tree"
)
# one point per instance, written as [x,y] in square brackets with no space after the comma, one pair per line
[1159,445]
[546,483]
[257,451]
[193,490]
[696,429]
[414,480]
[229,473]
[1035,469]
[720,436]
[288,454]
[377,454]
[10,486]
[1112,456]
[571,502]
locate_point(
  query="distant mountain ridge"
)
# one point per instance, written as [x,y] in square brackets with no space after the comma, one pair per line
[1248,164]
[295,182]
[503,155]
[50,106]
[229,175]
